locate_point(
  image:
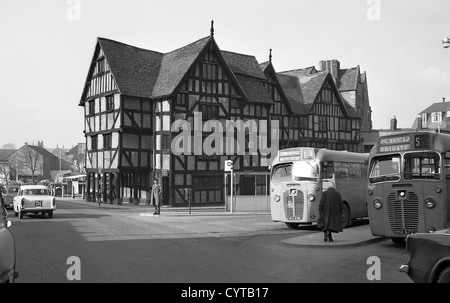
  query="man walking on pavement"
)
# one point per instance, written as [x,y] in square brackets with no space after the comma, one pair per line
[156,197]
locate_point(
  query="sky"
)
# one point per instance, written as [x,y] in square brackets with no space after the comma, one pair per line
[47,45]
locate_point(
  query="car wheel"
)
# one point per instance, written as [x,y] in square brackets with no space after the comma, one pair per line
[292,225]
[50,214]
[444,276]
[346,219]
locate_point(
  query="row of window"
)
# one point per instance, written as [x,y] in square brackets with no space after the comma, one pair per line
[109,105]
[107,142]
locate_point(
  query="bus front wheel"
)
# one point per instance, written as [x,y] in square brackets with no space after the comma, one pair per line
[293,225]
[346,219]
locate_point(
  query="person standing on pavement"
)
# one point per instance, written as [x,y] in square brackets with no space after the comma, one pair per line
[156,196]
[330,210]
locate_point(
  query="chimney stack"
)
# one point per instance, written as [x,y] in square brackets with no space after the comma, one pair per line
[419,122]
[443,99]
[394,123]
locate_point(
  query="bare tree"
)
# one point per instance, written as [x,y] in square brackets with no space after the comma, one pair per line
[6,172]
[9,146]
[30,159]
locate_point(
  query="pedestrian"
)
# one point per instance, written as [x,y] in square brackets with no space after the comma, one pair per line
[156,196]
[330,211]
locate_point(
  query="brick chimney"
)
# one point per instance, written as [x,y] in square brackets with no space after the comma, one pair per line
[333,66]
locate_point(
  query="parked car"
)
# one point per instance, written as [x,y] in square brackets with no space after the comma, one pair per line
[34,199]
[10,191]
[7,248]
[429,257]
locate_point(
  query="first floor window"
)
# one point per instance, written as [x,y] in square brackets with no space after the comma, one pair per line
[94,142]
[107,141]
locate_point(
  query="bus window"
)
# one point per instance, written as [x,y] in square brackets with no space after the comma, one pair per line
[422,166]
[282,172]
[385,168]
[306,171]
[341,170]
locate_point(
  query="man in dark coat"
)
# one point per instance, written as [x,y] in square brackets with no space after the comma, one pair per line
[330,210]
[156,196]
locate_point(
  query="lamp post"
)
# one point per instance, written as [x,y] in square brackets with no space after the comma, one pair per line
[446,42]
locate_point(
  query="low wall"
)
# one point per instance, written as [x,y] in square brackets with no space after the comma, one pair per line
[249,204]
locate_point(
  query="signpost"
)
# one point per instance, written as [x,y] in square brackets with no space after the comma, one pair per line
[229,167]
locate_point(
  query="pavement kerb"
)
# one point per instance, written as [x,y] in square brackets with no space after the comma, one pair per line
[165,211]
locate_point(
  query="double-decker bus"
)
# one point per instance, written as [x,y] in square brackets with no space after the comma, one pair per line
[409,184]
[299,176]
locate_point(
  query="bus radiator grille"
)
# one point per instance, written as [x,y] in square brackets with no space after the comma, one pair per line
[403,214]
[291,202]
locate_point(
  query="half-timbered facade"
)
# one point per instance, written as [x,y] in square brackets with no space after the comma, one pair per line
[318,116]
[176,117]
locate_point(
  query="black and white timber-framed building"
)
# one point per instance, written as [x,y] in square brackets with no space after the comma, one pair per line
[132,96]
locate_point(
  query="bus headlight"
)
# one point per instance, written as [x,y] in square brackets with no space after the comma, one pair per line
[377,203]
[430,202]
[276,198]
[311,197]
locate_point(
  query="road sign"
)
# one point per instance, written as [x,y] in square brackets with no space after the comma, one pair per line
[228,165]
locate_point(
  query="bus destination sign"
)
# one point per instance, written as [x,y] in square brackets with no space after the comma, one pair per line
[394,144]
[296,154]
[404,143]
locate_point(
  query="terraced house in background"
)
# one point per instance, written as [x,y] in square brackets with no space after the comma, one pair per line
[133,95]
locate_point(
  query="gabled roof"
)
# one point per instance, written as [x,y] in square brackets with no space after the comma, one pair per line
[437,107]
[293,92]
[42,151]
[175,65]
[243,64]
[311,86]
[134,69]
[254,89]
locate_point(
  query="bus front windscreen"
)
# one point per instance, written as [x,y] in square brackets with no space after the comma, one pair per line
[385,168]
[282,172]
[306,171]
[422,165]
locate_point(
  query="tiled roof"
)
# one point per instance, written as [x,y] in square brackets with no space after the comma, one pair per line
[134,69]
[436,108]
[254,90]
[175,65]
[293,92]
[348,79]
[312,85]
[41,151]
[301,72]
[243,64]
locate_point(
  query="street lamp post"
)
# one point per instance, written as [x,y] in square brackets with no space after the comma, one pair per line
[446,42]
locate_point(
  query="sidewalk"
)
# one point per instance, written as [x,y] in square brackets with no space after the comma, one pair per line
[147,210]
[351,236]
